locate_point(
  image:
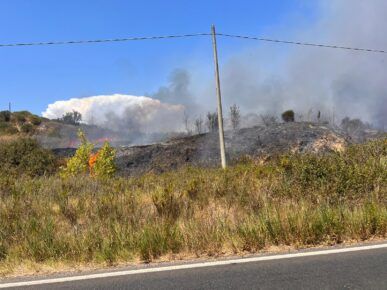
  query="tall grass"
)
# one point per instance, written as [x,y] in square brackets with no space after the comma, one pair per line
[293,200]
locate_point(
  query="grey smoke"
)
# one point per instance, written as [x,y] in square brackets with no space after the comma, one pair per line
[342,82]
[178,91]
[269,78]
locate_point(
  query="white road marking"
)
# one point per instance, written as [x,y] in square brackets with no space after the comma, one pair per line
[191,266]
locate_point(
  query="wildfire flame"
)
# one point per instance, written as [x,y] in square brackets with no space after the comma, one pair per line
[92,161]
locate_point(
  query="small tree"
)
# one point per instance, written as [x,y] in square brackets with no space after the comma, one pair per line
[79,163]
[199,125]
[72,118]
[104,166]
[100,164]
[235,117]
[212,122]
[288,116]
[268,119]
[186,123]
[353,126]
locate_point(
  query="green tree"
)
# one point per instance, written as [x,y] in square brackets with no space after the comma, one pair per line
[72,118]
[104,166]
[79,163]
[288,116]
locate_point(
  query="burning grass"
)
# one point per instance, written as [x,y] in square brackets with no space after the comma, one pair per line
[293,200]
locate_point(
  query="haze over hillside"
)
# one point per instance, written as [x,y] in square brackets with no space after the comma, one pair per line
[267,78]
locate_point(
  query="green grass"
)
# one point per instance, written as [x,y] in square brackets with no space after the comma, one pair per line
[293,200]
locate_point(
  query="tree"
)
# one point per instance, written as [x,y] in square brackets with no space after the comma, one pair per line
[268,119]
[79,163]
[288,116]
[235,117]
[353,126]
[104,166]
[72,118]
[100,164]
[212,122]
[186,123]
[199,125]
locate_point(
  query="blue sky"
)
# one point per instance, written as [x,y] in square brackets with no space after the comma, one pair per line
[33,77]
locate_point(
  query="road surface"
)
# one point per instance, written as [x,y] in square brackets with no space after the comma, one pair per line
[362,267]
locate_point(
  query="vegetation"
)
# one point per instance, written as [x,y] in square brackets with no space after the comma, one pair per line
[235,117]
[71,118]
[24,156]
[353,126]
[22,122]
[268,119]
[288,116]
[292,200]
[212,122]
[100,164]
[198,125]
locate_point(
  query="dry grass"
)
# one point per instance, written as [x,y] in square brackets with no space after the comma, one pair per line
[293,200]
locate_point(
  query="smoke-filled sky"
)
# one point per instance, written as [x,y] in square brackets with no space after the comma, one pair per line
[260,77]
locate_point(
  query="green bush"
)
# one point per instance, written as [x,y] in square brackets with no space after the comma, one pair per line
[5,116]
[24,156]
[288,116]
[35,120]
[7,128]
[21,116]
[27,128]
[79,163]
[104,166]
[100,164]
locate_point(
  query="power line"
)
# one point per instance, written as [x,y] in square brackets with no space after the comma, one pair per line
[191,35]
[102,40]
[302,43]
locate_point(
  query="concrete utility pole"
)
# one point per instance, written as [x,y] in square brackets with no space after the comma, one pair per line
[218,93]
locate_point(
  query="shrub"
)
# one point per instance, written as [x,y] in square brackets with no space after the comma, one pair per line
[288,116]
[268,119]
[5,116]
[35,120]
[26,157]
[7,128]
[100,164]
[104,165]
[79,163]
[27,128]
[21,116]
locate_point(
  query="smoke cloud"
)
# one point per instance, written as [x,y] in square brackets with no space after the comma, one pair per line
[122,113]
[335,82]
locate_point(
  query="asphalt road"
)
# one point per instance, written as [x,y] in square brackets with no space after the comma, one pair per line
[350,270]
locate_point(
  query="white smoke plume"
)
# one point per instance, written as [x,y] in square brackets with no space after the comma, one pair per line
[123,113]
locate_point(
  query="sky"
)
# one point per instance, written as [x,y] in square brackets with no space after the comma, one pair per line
[34,77]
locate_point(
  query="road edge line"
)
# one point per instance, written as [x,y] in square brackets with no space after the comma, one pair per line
[190,266]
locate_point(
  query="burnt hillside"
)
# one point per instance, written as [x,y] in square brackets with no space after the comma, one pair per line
[203,150]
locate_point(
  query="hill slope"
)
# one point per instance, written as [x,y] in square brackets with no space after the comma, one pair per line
[50,133]
[203,150]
